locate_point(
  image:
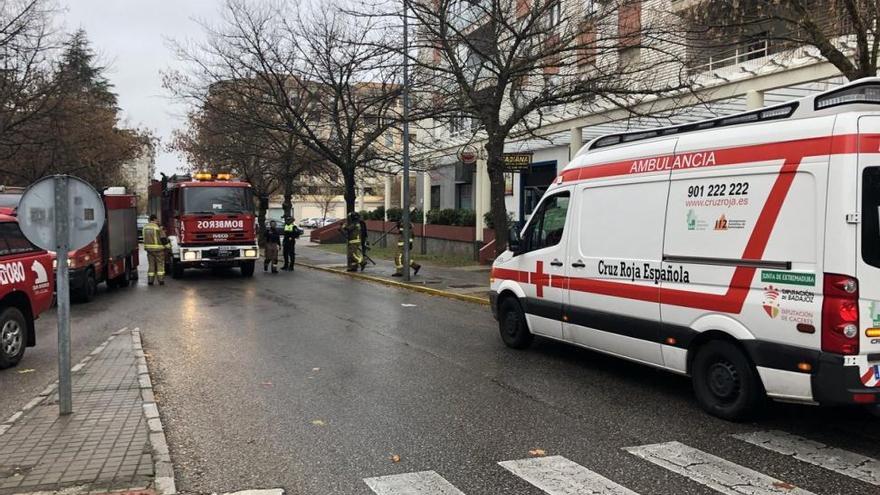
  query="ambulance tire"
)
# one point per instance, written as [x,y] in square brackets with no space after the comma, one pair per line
[247,268]
[725,382]
[512,324]
[13,337]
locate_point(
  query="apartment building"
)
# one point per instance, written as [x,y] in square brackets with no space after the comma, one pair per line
[732,71]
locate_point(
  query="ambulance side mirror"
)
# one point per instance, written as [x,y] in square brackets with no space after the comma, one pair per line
[514,241]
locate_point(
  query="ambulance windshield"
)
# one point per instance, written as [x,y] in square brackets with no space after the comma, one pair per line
[209,200]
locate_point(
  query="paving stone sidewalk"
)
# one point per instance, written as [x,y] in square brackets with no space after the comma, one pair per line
[466,280]
[104,445]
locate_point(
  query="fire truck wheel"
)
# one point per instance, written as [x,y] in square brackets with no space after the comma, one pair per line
[13,332]
[88,290]
[247,268]
[176,268]
[725,382]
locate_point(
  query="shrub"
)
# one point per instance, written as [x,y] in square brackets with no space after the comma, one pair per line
[447,216]
[466,218]
[491,225]
[394,214]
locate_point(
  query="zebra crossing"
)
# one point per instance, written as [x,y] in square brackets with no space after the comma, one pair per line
[557,475]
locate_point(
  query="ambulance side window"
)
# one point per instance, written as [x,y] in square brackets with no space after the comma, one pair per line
[871,216]
[548,223]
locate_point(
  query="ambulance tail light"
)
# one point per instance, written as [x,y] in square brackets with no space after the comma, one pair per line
[840,314]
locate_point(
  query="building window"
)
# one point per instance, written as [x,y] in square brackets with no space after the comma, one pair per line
[587,45]
[464,196]
[629,24]
[435,197]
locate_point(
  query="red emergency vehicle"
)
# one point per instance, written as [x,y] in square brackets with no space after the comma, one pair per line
[26,284]
[209,220]
[113,256]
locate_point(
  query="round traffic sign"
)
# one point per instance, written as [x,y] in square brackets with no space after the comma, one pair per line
[61,211]
[468,154]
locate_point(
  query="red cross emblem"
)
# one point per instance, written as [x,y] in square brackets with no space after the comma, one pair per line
[539,279]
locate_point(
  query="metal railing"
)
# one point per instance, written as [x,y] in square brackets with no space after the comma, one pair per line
[735,56]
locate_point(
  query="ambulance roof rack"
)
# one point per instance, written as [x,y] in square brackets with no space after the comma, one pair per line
[863,91]
[776,112]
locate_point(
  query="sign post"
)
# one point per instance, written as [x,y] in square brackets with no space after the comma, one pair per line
[61,213]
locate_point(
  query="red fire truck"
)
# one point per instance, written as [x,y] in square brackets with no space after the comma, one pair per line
[112,257]
[209,220]
[26,284]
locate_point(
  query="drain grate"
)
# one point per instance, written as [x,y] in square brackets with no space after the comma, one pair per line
[464,286]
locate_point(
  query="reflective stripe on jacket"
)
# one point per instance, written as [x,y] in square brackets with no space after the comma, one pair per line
[153,237]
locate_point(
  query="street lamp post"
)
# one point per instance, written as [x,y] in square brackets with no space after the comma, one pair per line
[407,228]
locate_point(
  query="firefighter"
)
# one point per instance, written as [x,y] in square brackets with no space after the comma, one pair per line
[155,244]
[273,242]
[398,260]
[291,234]
[351,230]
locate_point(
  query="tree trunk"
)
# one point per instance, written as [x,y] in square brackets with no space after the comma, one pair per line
[497,208]
[287,203]
[350,193]
[261,216]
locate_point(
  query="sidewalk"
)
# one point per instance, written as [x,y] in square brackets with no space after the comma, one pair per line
[470,282]
[110,442]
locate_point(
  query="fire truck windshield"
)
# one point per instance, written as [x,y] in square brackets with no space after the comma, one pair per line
[218,200]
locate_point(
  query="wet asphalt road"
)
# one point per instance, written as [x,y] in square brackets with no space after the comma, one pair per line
[312,381]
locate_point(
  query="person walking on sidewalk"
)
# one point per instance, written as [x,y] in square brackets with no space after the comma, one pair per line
[155,244]
[273,242]
[288,246]
[398,260]
[351,230]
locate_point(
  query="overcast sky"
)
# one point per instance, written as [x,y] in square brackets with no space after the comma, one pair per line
[129,36]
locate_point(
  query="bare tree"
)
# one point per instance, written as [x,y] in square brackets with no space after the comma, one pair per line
[510,66]
[27,45]
[845,32]
[312,81]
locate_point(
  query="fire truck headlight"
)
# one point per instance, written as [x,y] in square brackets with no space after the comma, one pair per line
[250,253]
[191,255]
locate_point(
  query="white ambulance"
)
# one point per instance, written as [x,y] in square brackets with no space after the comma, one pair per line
[743,251]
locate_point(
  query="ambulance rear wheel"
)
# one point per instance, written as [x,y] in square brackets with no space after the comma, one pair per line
[247,268]
[725,382]
[512,324]
[13,337]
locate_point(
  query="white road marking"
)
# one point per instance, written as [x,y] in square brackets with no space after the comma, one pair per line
[420,483]
[407,305]
[840,461]
[273,491]
[557,475]
[714,472]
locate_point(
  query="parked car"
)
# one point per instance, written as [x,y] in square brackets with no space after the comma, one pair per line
[329,221]
[305,222]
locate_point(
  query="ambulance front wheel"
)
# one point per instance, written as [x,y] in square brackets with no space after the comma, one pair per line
[247,268]
[512,324]
[725,382]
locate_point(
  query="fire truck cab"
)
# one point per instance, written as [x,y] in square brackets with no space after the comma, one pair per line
[209,220]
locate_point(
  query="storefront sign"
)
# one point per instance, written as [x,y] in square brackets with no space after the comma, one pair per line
[515,162]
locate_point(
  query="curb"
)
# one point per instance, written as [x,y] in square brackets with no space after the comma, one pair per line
[42,396]
[401,285]
[163,470]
